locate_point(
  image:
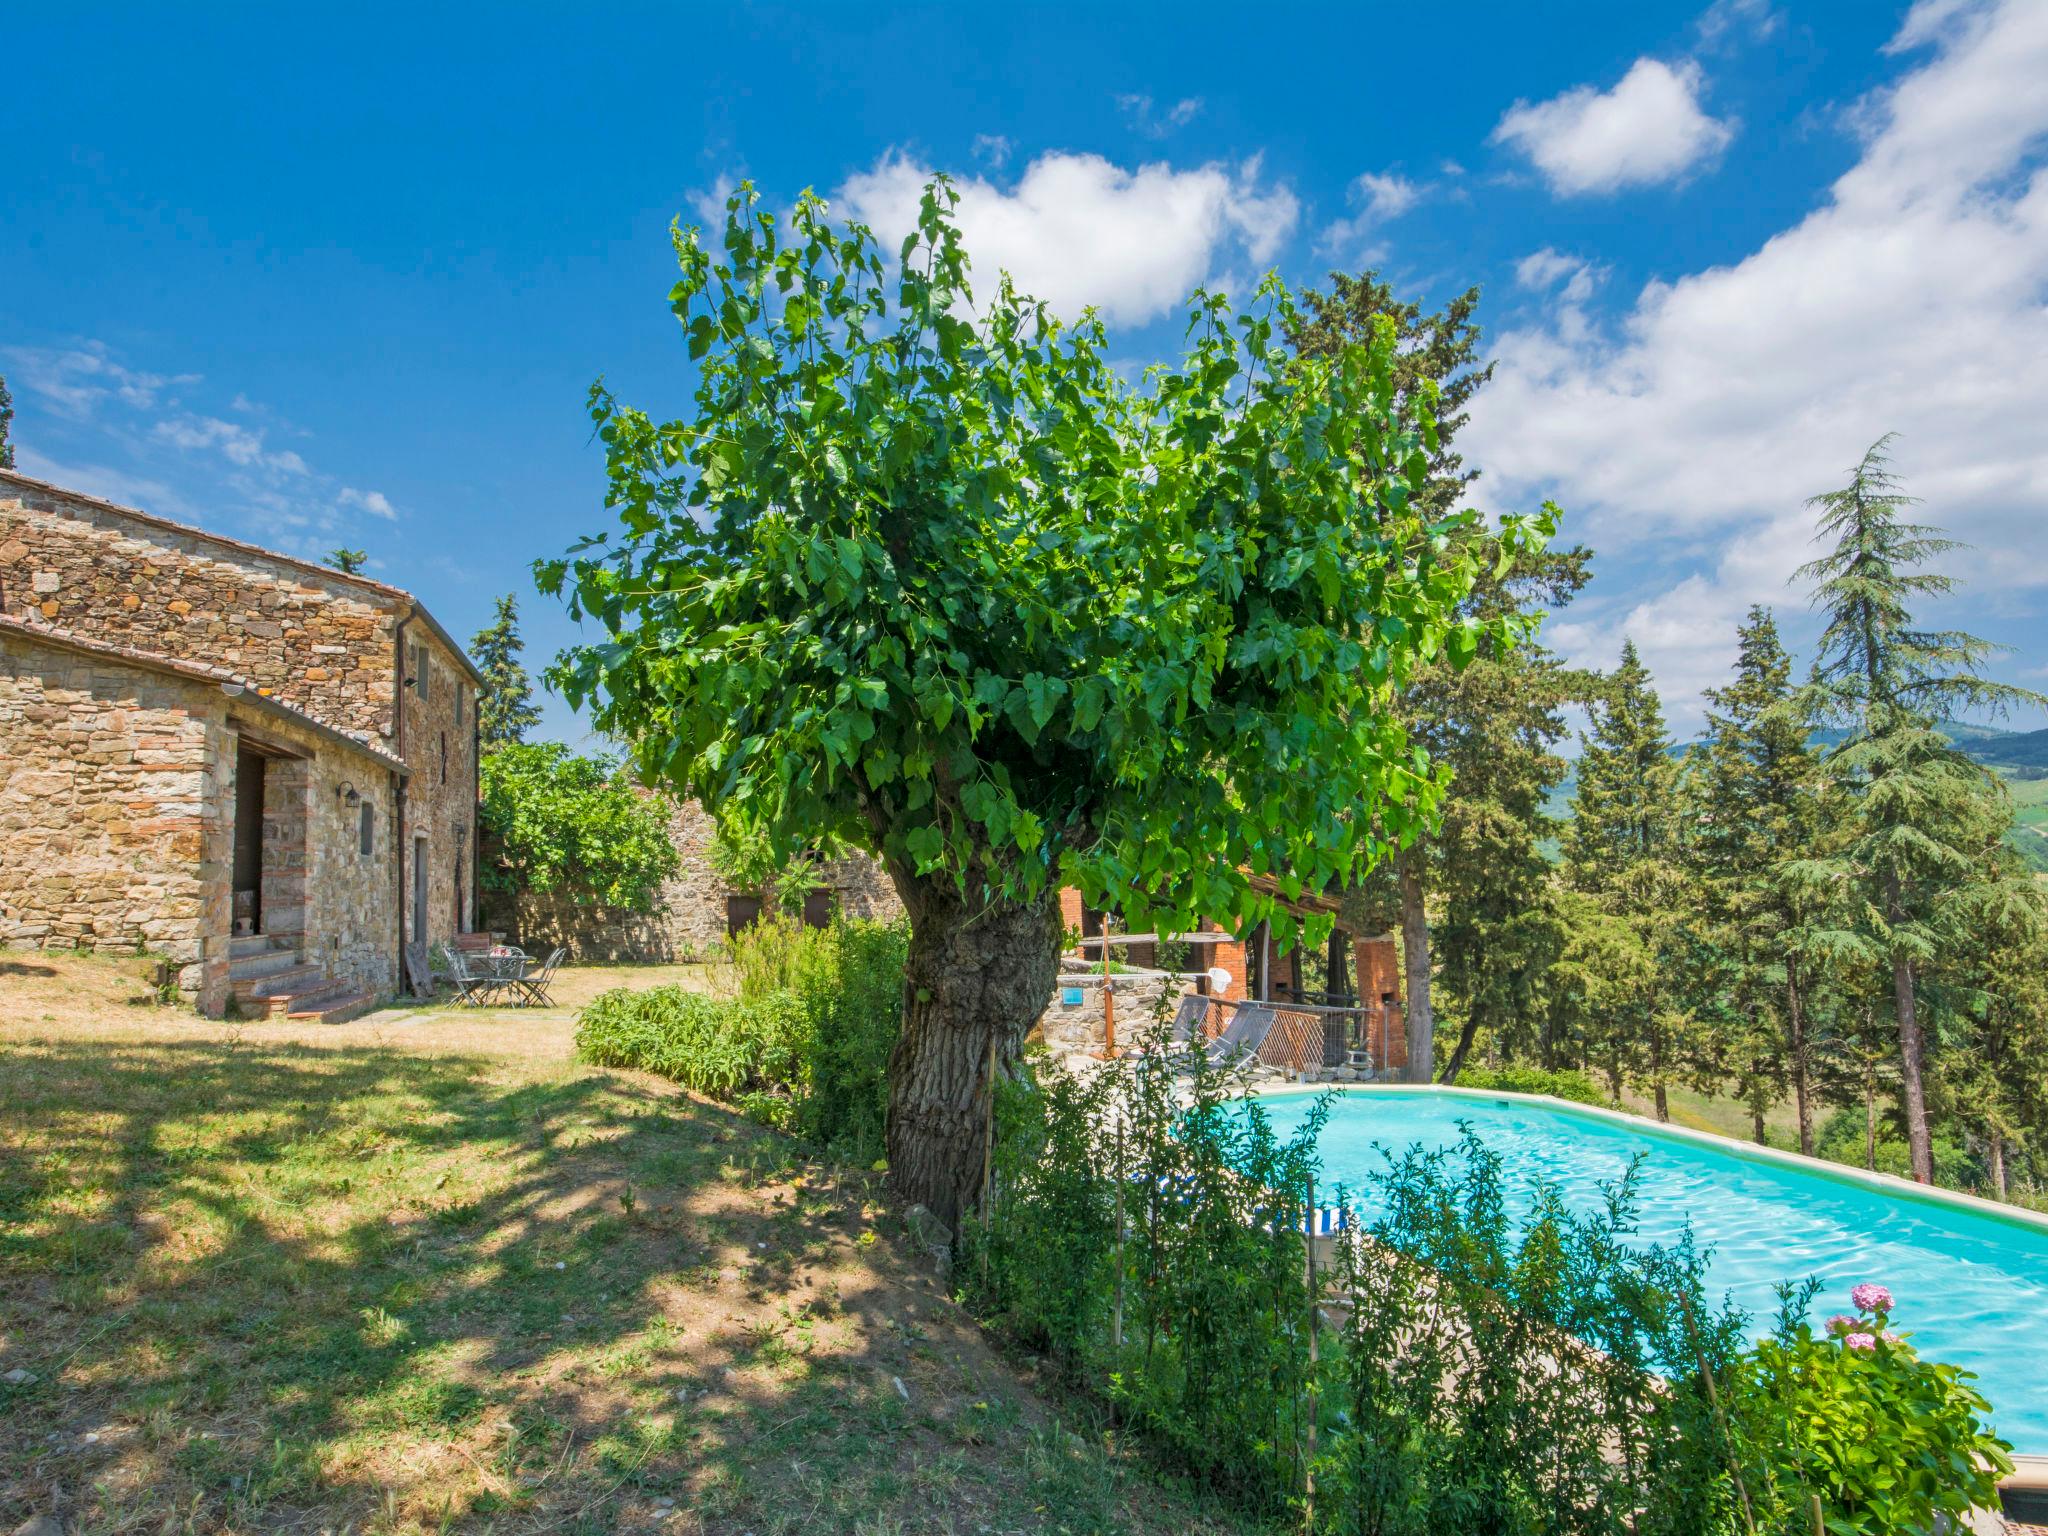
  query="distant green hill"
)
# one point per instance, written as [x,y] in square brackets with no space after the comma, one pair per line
[2021,757]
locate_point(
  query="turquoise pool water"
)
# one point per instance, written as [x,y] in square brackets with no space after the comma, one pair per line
[1972,1288]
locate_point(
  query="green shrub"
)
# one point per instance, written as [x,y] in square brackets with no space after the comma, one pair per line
[804,1046]
[1475,1372]
[1886,1439]
[716,1046]
[1843,1139]
[1566,1084]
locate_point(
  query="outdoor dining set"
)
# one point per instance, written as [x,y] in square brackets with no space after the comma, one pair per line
[502,975]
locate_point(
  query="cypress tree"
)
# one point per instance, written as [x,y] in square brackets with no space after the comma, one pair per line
[505,710]
[1622,852]
[1757,784]
[1917,805]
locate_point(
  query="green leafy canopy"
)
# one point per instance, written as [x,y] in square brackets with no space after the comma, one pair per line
[574,826]
[942,581]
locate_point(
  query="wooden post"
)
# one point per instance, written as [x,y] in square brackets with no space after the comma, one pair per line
[1108,998]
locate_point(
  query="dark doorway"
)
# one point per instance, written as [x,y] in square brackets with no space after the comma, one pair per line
[419,890]
[248,875]
[740,912]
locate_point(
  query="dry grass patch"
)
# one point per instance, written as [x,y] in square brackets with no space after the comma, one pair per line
[322,1278]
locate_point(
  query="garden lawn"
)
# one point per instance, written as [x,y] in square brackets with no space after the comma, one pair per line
[425,1272]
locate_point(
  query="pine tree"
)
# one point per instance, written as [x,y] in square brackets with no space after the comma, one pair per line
[1757,788]
[348,561]
[6,427]
[1495,723]
[1622,850]
[1917,804]
[505,710]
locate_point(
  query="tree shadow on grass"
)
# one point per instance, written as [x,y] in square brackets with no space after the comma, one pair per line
[266,1287]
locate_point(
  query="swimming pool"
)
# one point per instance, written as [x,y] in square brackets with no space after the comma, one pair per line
[1972,1284]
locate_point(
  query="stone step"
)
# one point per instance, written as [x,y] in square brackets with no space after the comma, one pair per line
[336,1008]
[282,981]
[306,997]
[245,944]
[262,965]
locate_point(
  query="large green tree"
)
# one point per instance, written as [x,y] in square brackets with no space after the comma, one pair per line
[1623,850]
[6,427]
[942,581]
[573,827]
[1917,805]
[349,562]
[1492,725]
[1757,808]
[505,710]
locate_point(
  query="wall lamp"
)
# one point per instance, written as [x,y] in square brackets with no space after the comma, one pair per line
[346,793]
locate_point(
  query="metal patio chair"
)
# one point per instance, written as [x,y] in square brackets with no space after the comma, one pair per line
[533,987]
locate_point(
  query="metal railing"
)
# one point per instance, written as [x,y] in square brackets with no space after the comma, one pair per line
[1307,1035]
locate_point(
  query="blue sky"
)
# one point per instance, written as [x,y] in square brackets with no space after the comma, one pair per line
[316,276]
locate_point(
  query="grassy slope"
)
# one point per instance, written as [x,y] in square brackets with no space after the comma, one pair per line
[430,1274]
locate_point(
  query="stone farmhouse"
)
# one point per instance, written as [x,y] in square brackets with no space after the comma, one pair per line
[260,768]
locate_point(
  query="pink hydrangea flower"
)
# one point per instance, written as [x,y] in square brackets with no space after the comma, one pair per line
[1841,1322]
[1869,1297]
[1891,1338]
[1858,1341]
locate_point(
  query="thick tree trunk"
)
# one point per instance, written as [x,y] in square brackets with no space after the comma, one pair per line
[1918,1143]
[1466,1034]
[1415,968]
[1870,1119]
[1795,1013]
[1997,1156]
[978,976]
[1756,1125]
[1337,968]
[1657,1074]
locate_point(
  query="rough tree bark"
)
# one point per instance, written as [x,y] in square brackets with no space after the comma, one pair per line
[1795,1013]
[1912,1091]
[977,972]
[1415,969]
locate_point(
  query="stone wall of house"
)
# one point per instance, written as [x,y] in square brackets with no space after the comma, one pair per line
[437,740]
[337,904]
[110,813]
[689,920]
[321,642]
[117,822]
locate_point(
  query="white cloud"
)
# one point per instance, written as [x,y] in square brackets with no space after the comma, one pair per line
[1725,20]
[78,380]
[374,502]
[91,421]
[1157,125]
[1649,128]
[1683,442]
[237,444]
[708,203]
[1076,230]
[1545,269]
[1377,197]
[992,149]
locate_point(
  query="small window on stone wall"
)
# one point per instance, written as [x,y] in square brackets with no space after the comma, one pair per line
[366,830]
[420,670]
[444,757]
